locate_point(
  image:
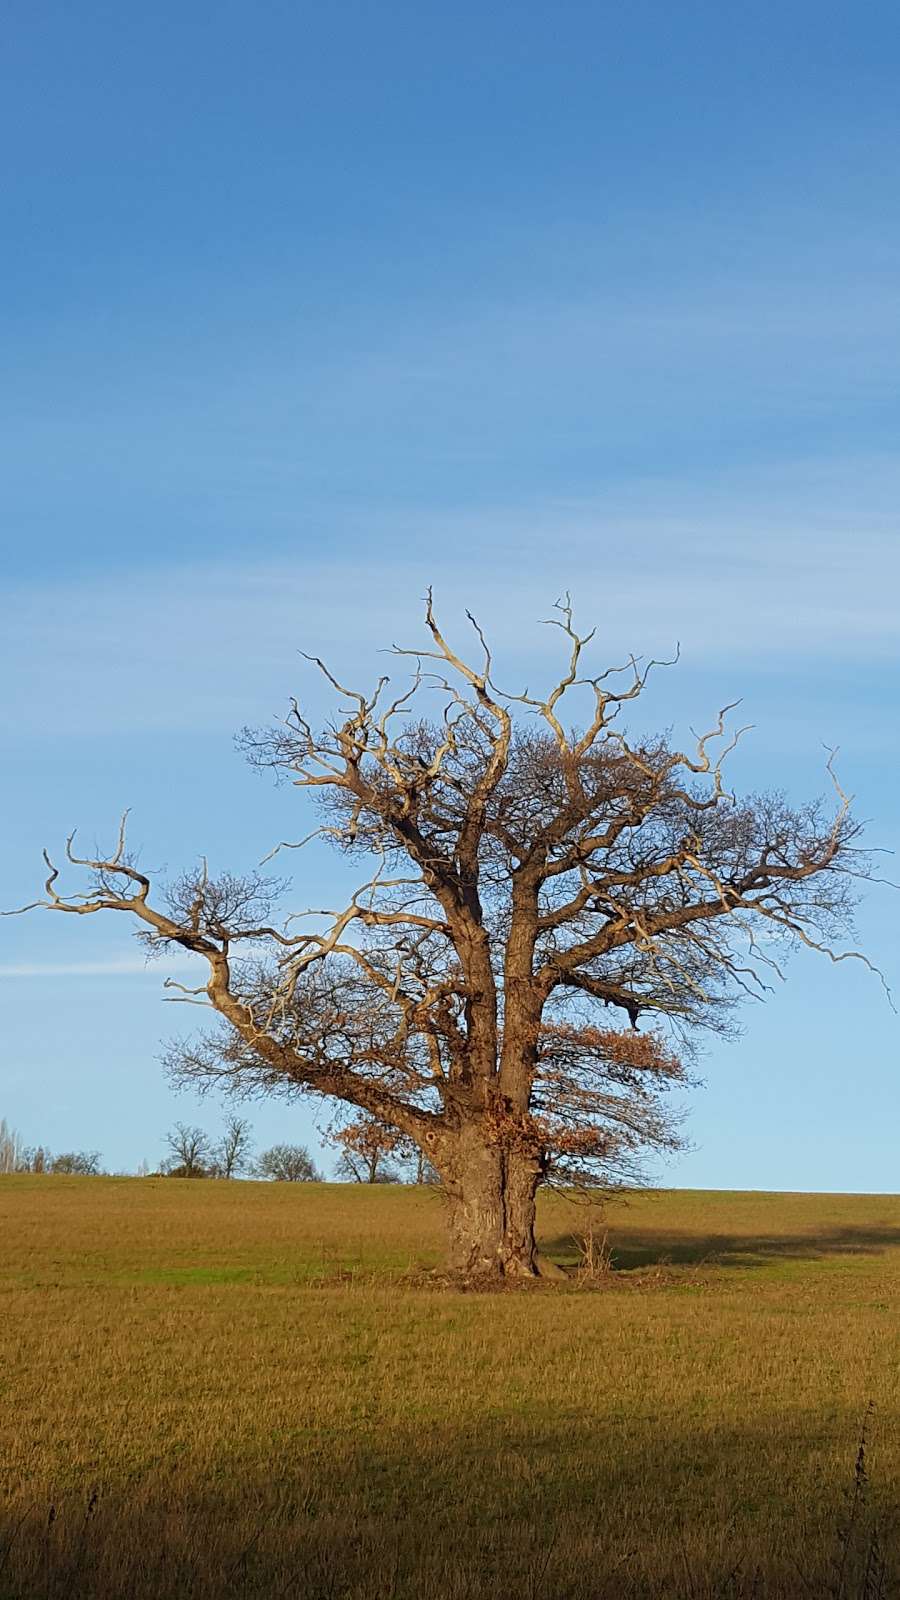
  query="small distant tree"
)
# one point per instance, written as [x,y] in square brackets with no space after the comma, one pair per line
[77,1163]
[371,1151]
[10,1148]
[287,1163]
[34,1158]
[231,1153]
[366,1146]
[421,1169]
[191,1153]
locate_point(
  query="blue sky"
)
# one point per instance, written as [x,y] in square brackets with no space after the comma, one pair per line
[306,307]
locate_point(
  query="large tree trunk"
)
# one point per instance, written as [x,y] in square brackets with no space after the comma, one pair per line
[491,1199]
[474,1186]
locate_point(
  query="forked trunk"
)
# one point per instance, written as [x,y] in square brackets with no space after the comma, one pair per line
[491,1197]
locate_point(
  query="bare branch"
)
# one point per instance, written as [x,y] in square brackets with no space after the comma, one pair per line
[524,873]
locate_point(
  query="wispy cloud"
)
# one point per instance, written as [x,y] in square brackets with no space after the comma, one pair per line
[787,568]
[106,967]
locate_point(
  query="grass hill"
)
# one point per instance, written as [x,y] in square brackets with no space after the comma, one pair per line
[247,1389]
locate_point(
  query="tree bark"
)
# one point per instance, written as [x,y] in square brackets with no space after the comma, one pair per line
[491,1198]
[473,1181]
[521,1176]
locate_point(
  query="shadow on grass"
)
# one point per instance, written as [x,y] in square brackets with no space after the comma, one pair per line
[649,1247]
[551,1510]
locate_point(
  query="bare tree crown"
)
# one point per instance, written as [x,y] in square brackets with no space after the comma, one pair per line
[529,878]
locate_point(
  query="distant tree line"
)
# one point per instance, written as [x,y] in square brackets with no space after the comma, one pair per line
[15,1156]
[369,1151]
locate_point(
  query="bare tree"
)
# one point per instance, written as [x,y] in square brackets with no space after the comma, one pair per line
[34,1158]
[422,1170]
[231,1153]
[77,1163]
[365,1146]
[191,1153]
[287,1163]
[528,874]
[10,1148]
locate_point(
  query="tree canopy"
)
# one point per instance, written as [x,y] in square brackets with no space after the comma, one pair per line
[551,910]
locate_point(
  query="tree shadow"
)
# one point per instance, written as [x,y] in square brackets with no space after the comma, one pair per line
[634,1248]
[543,1508]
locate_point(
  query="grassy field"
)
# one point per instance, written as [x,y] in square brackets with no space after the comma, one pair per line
[215,1389]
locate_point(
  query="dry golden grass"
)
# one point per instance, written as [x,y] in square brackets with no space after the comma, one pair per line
[262,1404]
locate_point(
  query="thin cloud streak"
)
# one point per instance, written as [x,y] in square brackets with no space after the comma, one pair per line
[108,967]
[802,571]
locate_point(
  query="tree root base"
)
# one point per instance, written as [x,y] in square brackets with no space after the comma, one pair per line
[544,1274]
